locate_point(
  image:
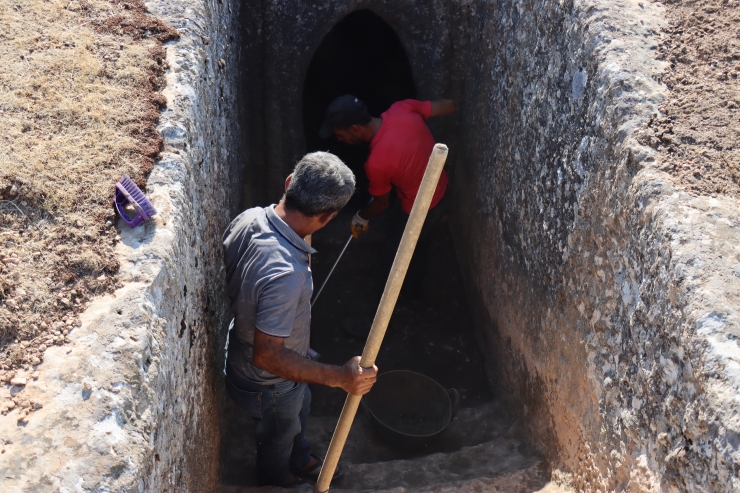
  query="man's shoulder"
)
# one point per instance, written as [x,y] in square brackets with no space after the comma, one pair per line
[266,253]
[247,218]
[404,104]
[251,232]
[402,123]
[243,223]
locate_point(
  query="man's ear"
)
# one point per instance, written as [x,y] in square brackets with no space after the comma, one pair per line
[288,180]
[326,217]
[355,129]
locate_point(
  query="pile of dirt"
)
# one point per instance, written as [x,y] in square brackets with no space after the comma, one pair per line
[78,109]
[698,133]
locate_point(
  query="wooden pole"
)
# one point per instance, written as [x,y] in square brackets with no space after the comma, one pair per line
[385,309]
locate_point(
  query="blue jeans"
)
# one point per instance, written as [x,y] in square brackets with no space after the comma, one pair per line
[280,412]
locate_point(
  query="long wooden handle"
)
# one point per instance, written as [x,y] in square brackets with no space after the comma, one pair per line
[385,309]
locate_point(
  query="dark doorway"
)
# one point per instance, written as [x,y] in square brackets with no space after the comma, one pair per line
[363,56]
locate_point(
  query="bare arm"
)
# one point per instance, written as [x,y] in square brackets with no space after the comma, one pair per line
[443,107]
[376,206]
[271,354]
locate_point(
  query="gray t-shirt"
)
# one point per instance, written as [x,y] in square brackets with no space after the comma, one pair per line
[269,284]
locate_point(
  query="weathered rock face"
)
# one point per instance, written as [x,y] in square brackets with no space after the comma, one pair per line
[607,296]
[204,183]
[132,403]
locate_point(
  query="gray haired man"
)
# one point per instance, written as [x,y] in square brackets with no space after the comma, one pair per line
[269,284]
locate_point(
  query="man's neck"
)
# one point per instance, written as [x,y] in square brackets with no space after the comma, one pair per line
[294,219]
[375,125]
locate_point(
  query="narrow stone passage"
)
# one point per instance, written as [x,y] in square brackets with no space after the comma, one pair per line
[434,335]
[582,295]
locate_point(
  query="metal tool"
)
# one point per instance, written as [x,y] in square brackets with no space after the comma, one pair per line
[332,270]
[408,410]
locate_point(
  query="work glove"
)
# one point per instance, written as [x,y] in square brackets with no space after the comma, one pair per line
[358,225]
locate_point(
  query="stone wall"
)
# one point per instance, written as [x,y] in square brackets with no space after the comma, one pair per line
[207,178]
[133,403]
[606,296]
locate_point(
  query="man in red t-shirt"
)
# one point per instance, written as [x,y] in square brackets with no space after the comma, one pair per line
[400,145]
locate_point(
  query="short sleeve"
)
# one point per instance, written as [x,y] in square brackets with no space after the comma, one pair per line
[277,304]
[380,179]
[421,108]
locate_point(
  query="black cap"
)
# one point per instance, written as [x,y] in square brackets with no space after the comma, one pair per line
[343,112]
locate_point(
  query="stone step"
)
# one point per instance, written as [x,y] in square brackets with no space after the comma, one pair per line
[533,479]
[486,460]
[472,426]
[479,447]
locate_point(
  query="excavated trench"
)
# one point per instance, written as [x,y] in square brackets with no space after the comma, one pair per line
[502,316]
[562,299]
[434,335]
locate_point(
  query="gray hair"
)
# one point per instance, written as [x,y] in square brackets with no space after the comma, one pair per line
[321,183]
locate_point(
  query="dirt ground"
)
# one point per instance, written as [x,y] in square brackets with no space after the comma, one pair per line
[78,109]
[698,135]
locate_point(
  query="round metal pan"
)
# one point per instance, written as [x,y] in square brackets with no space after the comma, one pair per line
[409,410]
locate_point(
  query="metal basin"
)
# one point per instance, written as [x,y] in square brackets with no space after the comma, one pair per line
[409,410]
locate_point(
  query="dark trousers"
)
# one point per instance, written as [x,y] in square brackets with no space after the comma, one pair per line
[280,412]
[414,281]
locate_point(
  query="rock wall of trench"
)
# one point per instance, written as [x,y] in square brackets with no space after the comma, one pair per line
[132,404]
[607,297]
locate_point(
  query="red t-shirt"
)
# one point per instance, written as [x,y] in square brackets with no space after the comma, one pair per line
[399,153]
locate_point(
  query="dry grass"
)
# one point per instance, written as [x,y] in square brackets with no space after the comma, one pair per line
[77,110]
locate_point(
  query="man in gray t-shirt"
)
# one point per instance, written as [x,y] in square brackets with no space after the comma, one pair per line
[269,284]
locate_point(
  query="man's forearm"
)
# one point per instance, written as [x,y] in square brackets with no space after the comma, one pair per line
[375,207]
[290,365]
[443,107]
[270,354]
